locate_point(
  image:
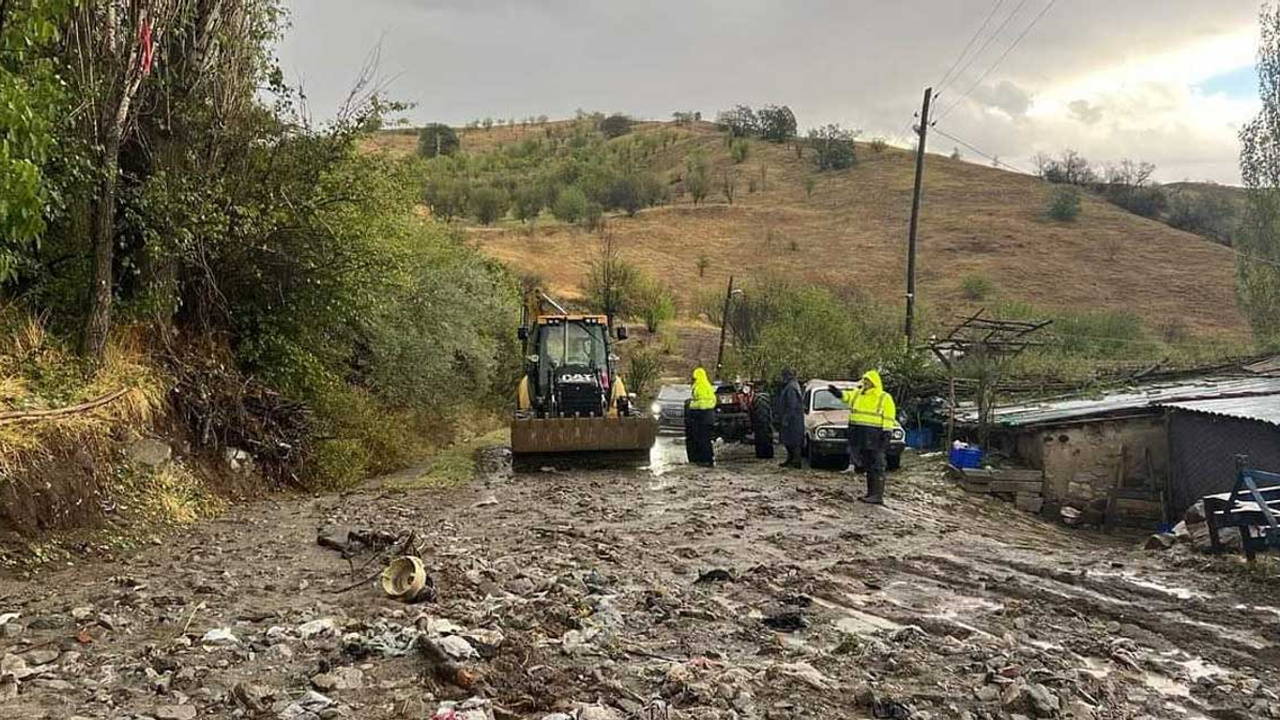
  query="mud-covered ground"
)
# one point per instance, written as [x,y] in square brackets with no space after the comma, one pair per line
[676,593]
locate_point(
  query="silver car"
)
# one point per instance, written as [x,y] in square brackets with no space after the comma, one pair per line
[668,406]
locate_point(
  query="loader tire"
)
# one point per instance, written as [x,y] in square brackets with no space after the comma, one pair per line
[762,426]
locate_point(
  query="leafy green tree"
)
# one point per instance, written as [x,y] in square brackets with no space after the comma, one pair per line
[527,202]
[777,123]
[739,122]
[833,147]
[739,150]
[1258,244]
[697,178]
[489,204]
[570,204]
[32,101]
[437,139]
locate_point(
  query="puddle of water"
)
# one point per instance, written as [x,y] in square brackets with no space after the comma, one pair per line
[1166,686]
[1175,592]
[857,622]
[666,455]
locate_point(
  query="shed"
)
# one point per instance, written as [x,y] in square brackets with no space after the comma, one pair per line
[1114,444]
[1205,436]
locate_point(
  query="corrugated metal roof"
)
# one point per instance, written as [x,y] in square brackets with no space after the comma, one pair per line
[1266,367]
[1263,408]
[1136,398]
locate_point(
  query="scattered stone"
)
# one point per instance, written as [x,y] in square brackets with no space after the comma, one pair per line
[220,637]
[8,688]
[714,576]
[1044,703]
[345,678]
[987,693]
[1160,541]
[786,621]
[175,712]
[473,709]
[81,614]
[150,453]
[598,712]
[803,672]
[306,708]
[42,657]
[14,666]
[324,627]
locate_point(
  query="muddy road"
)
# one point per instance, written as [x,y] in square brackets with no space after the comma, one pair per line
[739,592]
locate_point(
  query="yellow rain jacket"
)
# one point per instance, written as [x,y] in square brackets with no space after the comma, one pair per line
[870,405]
[704,396]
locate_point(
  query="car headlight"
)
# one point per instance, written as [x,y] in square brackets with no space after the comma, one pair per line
[823,433]
[656,409]
[898,434]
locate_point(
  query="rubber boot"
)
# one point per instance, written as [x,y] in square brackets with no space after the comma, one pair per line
[875,489]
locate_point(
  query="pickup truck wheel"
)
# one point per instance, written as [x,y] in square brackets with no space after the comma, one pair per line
[841,463]
[893,462]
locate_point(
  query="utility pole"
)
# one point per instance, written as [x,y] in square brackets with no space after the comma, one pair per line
[724,325]
[923,132]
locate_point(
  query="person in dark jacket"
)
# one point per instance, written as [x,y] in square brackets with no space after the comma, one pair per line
[791,414]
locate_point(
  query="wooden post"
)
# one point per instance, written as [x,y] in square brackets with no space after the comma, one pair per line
[724,324]
[915,216]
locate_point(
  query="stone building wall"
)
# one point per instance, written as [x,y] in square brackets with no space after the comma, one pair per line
[1082,461]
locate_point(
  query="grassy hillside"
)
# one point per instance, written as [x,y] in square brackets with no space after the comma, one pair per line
[977,222]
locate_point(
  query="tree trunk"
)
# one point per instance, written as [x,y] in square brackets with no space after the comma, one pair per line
[104,237]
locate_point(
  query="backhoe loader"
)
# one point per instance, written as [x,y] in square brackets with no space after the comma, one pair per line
[572,406]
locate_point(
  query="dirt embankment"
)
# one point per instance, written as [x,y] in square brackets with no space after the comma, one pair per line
[740,592]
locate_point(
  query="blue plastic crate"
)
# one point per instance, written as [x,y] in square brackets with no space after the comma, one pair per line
[920,438]
[966,457]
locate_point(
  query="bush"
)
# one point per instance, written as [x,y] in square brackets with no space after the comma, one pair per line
[879,145]
[739,122]
[739,150]
[1064,204]
[655,304]
[615,126]
[833,147]
[1148,201]
[527,202]
[1205,214]
[643,372]
[703,263]
[436,139]
[488,204]
[809,184]
[341,464]
[570,204]
[977,287]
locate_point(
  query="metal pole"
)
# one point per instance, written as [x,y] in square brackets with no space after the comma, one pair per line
[915,217]
[724,324]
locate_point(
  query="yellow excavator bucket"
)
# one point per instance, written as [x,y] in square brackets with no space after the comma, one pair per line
[607,438]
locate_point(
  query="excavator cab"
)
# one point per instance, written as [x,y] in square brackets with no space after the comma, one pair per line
[572,404]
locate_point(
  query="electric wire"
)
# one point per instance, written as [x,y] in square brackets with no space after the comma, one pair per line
[999,60]
[948,77]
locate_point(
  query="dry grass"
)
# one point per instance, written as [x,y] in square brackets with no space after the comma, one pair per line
[38,372]
[852,234]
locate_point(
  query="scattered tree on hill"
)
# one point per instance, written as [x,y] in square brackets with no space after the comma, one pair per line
[487,123]
[703,263]
[1064,204]
[1258,244]
[809,184]
[697,178]
[612,282]
[686,118]
[1203,213]
[615,126]
[833,147]
[777,123]
[1069,169]
[740,122]
[955,154]
[879,145]
[1129,186]
[570,205]
[739,150]
[448,197]
[729,184]
[437,139]
[527,202]
[488,204]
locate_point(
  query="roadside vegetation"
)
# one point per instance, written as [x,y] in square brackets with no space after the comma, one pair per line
[174,229]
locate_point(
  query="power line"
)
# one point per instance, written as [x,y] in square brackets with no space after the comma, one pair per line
[945,78]
[1001,59]
[990,39]
[970,147]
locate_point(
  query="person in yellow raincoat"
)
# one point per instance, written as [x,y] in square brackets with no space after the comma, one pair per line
[700,421]
[872,414]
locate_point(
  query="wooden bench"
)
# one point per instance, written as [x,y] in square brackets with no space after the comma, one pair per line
[1252,506]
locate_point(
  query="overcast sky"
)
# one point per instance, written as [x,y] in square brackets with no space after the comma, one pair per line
[1167,81]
